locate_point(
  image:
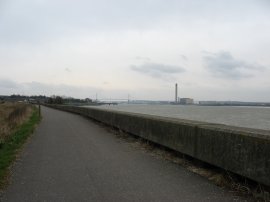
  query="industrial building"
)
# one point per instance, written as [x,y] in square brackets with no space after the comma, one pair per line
[186,101]
[183,101]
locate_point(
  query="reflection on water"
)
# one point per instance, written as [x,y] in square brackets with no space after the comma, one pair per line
[251,117]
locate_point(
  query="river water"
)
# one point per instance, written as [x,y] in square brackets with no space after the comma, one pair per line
[250,117]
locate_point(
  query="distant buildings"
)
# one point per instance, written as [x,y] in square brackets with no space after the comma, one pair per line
[186,101]
[233,103]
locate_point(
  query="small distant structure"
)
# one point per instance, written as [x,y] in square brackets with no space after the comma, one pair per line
[181,101]
[186,101]
[176,93]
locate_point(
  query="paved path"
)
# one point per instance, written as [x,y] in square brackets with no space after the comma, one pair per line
[70,158]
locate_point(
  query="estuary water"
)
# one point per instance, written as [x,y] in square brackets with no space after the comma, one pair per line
[250,117]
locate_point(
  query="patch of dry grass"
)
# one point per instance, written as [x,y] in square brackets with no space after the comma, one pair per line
[11,116]
[22,120]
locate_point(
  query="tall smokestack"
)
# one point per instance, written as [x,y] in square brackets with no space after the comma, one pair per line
[176,91]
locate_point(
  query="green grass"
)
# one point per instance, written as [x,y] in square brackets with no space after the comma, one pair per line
[10,148]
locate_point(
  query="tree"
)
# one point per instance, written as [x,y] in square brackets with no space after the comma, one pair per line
[59,100]
[55,100]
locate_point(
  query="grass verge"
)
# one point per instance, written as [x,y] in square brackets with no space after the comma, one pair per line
[10,148]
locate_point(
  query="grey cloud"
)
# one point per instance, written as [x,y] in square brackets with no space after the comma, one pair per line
[67,69]
[183,57]
[38,88]
[143,58]
[8,84]
[8,87]
[52,19]
[223,64]
[160,71]
[33,21]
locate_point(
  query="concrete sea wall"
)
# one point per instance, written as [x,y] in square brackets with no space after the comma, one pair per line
[240,150]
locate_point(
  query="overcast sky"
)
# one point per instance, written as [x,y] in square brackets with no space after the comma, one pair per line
[213,49]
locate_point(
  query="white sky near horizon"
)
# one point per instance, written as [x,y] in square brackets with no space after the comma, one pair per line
[214,50]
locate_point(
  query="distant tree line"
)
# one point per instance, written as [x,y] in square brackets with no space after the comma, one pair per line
[67,100]
[55,100]
[27,97]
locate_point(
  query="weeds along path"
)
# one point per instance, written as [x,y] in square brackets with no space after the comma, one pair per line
[17,123]
[12,115]
[71,158]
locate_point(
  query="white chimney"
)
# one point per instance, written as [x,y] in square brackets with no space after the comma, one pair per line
[176,91]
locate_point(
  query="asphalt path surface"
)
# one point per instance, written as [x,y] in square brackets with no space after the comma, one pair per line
[71,158]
